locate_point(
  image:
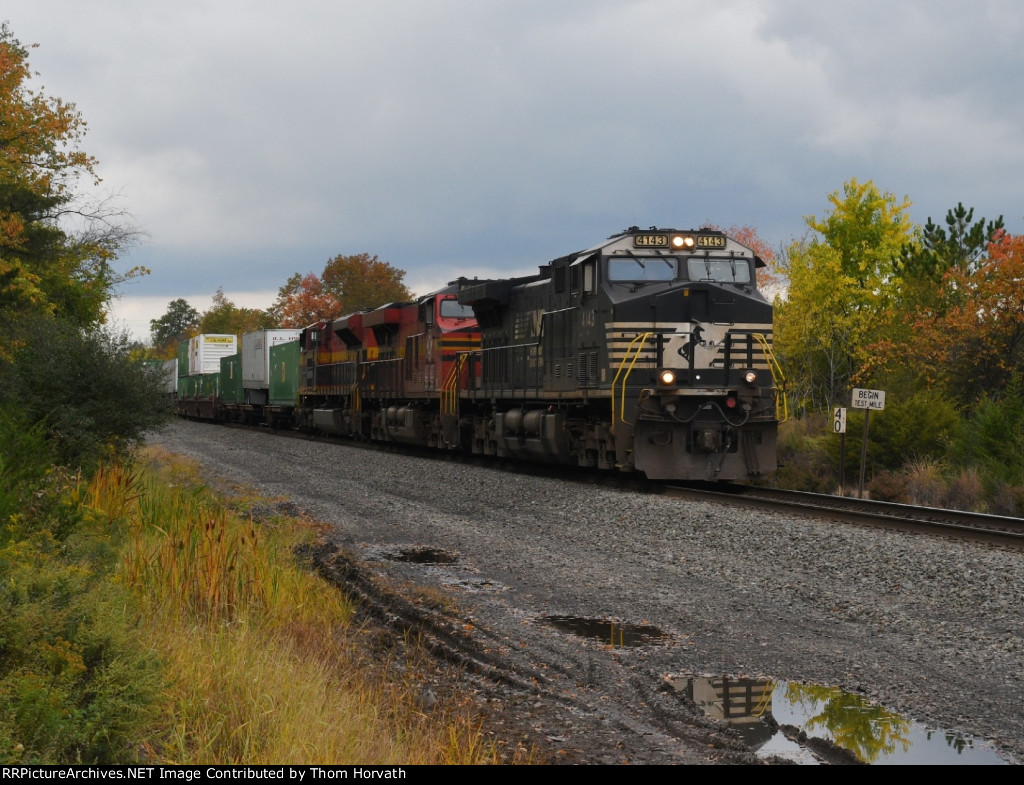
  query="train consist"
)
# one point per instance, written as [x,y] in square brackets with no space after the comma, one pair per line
[649,352]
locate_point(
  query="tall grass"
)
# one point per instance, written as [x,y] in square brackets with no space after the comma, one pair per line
[264,658]
[193,557]
[77,682]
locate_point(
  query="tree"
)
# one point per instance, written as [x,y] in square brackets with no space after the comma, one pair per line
[174,326]
[938,277]
[80,386]
[61,376]
[226,318]
[359,282]
[974,348]
[923,265]
[302,301]
[840,285]
[44,268]
[962,247]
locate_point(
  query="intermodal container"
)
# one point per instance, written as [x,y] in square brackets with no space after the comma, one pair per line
[205,352]
[284,373]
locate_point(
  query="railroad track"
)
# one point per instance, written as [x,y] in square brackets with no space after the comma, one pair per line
[978,527]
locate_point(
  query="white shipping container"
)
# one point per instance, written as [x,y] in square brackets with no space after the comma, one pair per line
[256,355]
[206,351]
[170,369]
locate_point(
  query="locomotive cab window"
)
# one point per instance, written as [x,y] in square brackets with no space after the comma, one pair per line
[642,268]
[453,309]
[700,268]
[583,279]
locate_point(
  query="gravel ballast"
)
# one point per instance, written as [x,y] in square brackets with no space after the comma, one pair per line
[930,628]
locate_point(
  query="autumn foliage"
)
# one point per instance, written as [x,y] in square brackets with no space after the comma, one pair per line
[44,268]
[839,293]
[347,284]
[974,347]
[363,281]
[302,301]
[225,317]
[932,315]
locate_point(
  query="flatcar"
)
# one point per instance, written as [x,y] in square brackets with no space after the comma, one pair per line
[649,352]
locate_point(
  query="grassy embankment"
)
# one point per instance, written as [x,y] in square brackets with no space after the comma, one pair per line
[159,625]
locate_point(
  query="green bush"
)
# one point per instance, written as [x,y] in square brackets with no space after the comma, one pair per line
[918,427]
[905,436]
[908,431]
[23,464]
[32,490]
[83,386]
[992,440]
[805,463]
[77,685]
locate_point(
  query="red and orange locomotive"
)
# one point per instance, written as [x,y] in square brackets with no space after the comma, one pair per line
[393,373]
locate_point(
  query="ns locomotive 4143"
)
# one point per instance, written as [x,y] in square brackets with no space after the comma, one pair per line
[650,352]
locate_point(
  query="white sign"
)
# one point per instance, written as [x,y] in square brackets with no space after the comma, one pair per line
[839,421]
[868,399]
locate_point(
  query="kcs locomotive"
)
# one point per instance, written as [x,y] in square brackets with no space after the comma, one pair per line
[649,352]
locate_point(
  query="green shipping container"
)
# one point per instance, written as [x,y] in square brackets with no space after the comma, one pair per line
[182,358]
[188,386]
[209,385]
[231,379]
[284,374]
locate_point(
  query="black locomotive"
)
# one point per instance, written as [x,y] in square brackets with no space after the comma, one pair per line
[650,351]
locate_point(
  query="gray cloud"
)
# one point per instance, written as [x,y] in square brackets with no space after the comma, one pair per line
[253,140]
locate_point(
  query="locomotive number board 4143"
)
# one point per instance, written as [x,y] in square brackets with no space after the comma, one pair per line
[681,242]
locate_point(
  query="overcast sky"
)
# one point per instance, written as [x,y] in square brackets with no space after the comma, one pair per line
[252,140]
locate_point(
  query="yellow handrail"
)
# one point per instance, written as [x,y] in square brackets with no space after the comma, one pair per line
[450,385]
[356,401]
[778,378]
[764,702]
[642,338]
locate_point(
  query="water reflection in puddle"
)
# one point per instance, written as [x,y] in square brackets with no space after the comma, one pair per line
[760,709]
[610,632]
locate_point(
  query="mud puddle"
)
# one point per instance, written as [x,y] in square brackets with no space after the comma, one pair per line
[786,719]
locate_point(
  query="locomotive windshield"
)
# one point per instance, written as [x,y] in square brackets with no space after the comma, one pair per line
[453,309]
[700,268]
[642,268]
[663,268]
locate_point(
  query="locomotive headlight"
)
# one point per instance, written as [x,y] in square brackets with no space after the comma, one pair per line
[683,242]
[667,378]
[750,377]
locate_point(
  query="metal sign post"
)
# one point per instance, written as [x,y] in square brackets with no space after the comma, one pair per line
[867,400]
[839,426]
[863,455]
